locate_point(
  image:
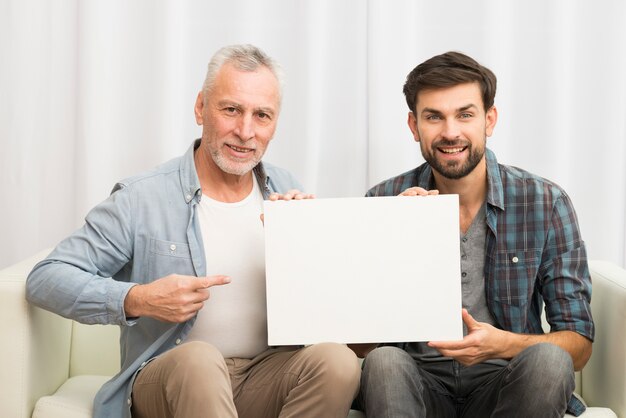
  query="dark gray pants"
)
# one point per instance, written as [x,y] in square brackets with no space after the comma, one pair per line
[536,383]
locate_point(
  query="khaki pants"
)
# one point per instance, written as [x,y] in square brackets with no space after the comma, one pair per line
[194,380]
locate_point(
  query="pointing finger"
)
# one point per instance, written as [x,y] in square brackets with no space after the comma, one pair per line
[213,281]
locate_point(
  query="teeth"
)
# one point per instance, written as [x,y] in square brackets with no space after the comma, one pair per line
[451,150]
[239,149]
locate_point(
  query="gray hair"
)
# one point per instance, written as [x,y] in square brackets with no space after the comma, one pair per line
[244,57]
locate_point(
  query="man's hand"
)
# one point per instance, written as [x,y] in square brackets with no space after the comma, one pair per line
[293,194]
[482,342]
[418,191]
[173,298]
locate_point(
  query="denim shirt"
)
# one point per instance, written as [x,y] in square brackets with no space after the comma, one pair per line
[534,253]
[145,230]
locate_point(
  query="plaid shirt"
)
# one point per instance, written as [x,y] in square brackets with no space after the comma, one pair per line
[534,253]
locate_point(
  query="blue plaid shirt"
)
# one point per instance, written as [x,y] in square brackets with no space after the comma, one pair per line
[534,252]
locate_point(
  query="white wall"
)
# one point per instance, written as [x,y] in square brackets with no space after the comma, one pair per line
[93,91]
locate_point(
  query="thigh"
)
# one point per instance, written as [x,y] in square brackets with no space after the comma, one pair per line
[190,380]
[261,386]
[540,379]
[394,384]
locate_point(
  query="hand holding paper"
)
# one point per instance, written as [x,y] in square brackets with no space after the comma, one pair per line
[293,194]
[483,342]
[419,191]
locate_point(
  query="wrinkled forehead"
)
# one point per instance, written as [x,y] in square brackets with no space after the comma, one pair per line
[260,83]
[256,89]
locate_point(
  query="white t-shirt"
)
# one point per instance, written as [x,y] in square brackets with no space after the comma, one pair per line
[234,318]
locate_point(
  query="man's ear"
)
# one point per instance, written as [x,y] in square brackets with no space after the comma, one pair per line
[412,122]
[197,109]
[491,118]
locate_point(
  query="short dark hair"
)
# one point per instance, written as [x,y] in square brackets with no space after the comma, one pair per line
[448,70]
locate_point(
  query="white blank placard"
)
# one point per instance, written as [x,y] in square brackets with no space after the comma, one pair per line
[357,270]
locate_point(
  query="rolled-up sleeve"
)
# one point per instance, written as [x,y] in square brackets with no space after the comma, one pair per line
[566,281]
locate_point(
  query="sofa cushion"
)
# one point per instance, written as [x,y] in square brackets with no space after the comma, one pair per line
[596,413]
[73,399]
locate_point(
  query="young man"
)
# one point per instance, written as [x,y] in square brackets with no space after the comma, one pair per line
[150,255]
[520,249]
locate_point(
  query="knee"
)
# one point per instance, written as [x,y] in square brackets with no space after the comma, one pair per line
[336,362]
[196,360]
[547,356]
[547,362]
[387,360]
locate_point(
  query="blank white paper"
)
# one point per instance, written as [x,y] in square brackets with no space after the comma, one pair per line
[358,270]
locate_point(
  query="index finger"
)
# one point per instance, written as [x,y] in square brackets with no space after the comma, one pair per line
[449,345]
[209,281]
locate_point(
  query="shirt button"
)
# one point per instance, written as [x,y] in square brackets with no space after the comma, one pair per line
[128,401]
[188,197]
[464,274]
[464,257]
[172,247]
[464,239]
[515,259]
[178,341]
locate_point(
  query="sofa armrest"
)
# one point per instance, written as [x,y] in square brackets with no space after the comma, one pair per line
[35,350]
[604,376]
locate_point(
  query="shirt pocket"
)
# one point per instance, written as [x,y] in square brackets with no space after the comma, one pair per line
[511,286]
[169,257]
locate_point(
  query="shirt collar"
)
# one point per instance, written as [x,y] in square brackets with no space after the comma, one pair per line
[495,190]
[189,176]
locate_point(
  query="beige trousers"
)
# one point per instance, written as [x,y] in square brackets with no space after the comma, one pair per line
[194,380]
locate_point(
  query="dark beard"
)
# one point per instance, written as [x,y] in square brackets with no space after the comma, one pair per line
[454,171]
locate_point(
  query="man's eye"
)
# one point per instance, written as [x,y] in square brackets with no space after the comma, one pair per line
[433,117]
[230,109]
[466,115]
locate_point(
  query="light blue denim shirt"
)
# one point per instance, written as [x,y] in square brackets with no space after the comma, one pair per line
[145,230]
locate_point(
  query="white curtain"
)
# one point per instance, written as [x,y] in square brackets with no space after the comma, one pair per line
[94,91]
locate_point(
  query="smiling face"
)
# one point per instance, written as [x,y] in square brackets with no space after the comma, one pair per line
[238,117]
[452,127]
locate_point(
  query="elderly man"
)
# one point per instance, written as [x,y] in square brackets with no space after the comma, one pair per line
[150,255]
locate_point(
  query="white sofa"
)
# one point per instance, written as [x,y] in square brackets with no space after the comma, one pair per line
[52,367]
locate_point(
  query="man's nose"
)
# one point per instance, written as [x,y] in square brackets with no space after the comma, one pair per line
[245,128]
[451,129]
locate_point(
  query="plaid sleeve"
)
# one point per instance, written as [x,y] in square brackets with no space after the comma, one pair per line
[566,281]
